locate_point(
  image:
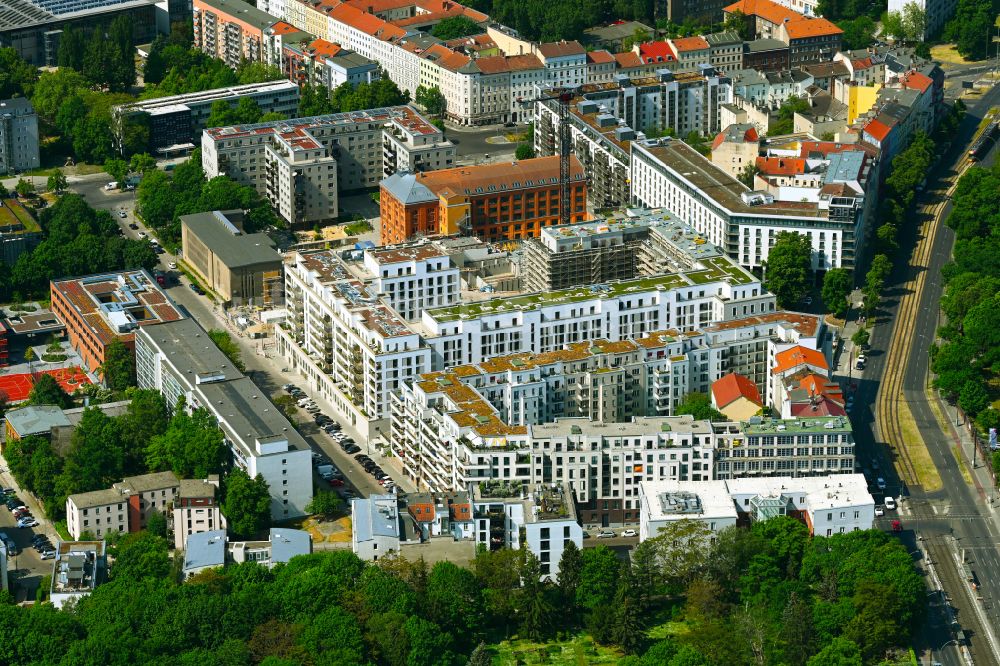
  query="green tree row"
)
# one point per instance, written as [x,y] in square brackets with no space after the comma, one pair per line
[968,358]
[78,240]
[318,101]
[972,28]
[563,19]
[163,198]
[769,594]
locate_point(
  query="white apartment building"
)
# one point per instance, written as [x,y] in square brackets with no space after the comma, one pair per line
[828,505]
[303,164]
[124,507]
[804,7]
[448,436]
[196,509]
[707,288]
[670,174]
[18,136]
[770,89]
[180,360]
[300,180]
[565,63]
[346,330]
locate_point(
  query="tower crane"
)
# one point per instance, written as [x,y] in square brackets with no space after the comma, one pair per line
[562,97]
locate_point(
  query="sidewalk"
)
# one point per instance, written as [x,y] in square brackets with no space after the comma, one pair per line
[978,468]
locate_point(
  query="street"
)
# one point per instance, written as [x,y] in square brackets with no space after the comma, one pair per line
[937,523]
[26,566]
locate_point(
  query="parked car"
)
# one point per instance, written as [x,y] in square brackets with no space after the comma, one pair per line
[890,503]
[48,554]
[879,510]
[335,482]
[352,448]
[606,534]
[27,522]
[897,526]
[122,214]
[629,533]
[142,234]
[880,483]
[172,265]
[133,226]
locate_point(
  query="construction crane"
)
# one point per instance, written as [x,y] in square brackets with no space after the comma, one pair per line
[562,97]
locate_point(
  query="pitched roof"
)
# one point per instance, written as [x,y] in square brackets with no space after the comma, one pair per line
[743,133]
[560,49]
[796,356]
[651,52]
[822,406]
[500,64]
[765,9]
[324,48]
[599,57]
[683,44]
[877,129]
[817,385]
[732,387]
[283,28]
[781,166]
[403,186]
[628,59]
[537,172]
[916,81]
[811,27]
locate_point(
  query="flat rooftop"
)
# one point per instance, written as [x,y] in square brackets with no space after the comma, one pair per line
[249,415]
[19,14]
[719,185]
[708,270]
[115,304]
[405,115]
[679,500]
[766,426]
[541,502]
[178,102]
[188,348]
[229,243]
[39,320]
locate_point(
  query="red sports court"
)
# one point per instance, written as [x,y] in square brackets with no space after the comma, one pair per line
[17,387]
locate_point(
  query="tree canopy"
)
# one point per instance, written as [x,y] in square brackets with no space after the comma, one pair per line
[699,405]
[455,27]
[788,268]
[246,504]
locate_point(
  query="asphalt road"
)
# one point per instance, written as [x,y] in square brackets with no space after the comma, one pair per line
[264,372]
[27,566]
[953,516]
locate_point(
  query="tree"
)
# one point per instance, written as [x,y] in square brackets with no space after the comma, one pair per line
[118,369]
[56,182]
[226,345]
[140,556]
[535,609]
[839,652]
[914,22]
[748,173]
[892,25]
[455,27]
[524,151]
[699,405]
[682,550]
[628,632]
[192,446]
[859,32]
[737,22]
[246,504]
[861,337]
[570,568]
[431,99]
[837,287]
[16,75]
[156,523]
[118,170]
[122,67]
[325,504]
[784,122]
[142,163]
[598,578]
[47,391]
[973,398]
[24,187]
[787,269]
[454,600]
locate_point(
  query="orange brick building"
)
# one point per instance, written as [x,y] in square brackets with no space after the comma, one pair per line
[99,308]
[495,202]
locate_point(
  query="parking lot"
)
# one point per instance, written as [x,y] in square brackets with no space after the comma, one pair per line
[25,564]
[336,455]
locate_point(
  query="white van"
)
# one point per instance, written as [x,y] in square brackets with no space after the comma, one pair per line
[111,186]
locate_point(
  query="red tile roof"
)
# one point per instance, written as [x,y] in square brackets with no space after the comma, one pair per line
[816,385]
[917,81]
[559,49]
[734,386]
[819,407]
[811,27]
[283,28]
[771,11]
[796,356]
[499,64]
[689,44]
[628,60]
[749,136]
[651,52]
[600,57]
[878,129]
[324,48]
[781,166]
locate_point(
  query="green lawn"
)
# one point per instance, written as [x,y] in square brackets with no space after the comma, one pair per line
[579,650]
